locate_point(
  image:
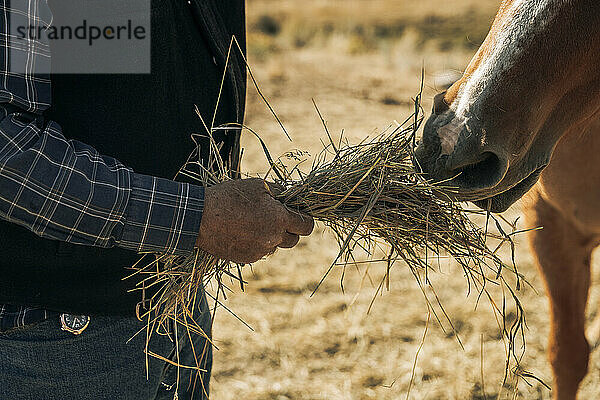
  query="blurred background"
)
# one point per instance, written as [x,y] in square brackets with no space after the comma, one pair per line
[361,61]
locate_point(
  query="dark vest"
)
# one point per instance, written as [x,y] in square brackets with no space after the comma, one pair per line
[144,121]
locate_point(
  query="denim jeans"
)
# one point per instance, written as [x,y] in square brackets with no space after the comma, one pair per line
[42,362]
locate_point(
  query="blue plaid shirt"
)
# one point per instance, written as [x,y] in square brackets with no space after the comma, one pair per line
[65,190]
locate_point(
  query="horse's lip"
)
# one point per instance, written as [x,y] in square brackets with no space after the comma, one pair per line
[503,200]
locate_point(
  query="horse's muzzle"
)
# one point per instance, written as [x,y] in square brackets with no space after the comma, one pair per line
[467,164]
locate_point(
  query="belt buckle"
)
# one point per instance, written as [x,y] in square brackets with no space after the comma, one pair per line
[74,324]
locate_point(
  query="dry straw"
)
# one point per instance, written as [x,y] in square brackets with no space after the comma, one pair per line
[372,196]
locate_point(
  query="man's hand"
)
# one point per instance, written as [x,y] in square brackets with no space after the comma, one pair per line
[242,222]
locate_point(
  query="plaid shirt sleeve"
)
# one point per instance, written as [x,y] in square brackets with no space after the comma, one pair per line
[64,189]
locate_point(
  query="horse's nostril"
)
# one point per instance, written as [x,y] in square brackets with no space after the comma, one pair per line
[486,172]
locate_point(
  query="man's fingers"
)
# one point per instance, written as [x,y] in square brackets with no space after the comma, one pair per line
[300,224]
[289,240]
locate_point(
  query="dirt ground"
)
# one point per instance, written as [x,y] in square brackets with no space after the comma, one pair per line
[361,61]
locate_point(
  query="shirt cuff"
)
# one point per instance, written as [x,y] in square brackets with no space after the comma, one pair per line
[162,216]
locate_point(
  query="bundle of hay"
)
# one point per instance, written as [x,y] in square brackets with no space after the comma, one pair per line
[370,195]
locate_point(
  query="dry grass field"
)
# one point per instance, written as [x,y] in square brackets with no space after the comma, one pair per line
[361,61]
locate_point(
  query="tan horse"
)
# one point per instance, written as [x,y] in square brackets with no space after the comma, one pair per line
[526,115]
